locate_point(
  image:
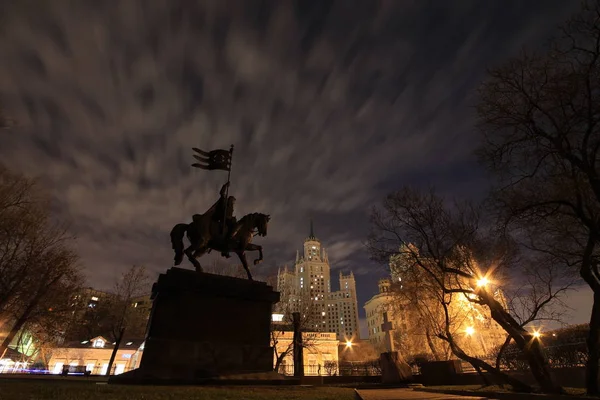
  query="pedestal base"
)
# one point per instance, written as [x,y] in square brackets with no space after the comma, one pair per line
[205,327]
[394,369]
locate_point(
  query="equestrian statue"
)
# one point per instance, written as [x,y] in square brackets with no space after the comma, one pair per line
[217,229]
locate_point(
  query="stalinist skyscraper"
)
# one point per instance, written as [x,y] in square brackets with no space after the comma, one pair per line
[307,288]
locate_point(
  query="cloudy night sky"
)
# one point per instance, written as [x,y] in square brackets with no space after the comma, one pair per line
[330,105]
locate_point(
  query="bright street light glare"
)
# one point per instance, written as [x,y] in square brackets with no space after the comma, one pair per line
[536,334]
[470,330]
[483,281]
[348,343]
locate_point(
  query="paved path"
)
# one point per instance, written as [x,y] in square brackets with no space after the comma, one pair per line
[409,394]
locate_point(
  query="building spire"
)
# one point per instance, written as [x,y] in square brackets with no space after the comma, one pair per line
[312,230]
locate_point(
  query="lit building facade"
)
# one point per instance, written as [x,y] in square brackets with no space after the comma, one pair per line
[320,354]
[412,333]
[307,288]
[375,309]
[94,354]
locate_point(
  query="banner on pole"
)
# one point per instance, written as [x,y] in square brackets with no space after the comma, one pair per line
[212,160]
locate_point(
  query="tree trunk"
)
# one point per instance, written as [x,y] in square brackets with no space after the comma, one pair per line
[589,273]
[431,345]
[502,350]
[41,291]
[279,359]
[115,349]
[528,345]
[593,344]
[482,365]
[16,328]
[484,378]
[501,353]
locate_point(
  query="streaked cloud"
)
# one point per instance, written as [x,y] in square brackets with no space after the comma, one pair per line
[329,104]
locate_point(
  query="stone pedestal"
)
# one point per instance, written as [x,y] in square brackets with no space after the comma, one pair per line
[394,369]
[205,326]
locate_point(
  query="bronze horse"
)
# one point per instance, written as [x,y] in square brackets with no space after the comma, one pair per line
[203,236]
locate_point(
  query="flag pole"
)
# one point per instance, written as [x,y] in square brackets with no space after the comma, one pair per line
[227,190]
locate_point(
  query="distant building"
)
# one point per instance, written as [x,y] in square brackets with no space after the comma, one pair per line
[143,305]
[376,308]
[320,356]
[94,354]
[84,301]
[307,288]
[411,334]
[88,298]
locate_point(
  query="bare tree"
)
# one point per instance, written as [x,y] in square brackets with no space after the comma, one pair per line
[37,266]
[279,330]
[539,117]
[411,296]
[120,314]
[448,317]
[56,275]
[449,246]
[537,296]
[24,233]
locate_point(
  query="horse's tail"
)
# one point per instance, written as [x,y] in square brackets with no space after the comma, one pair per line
[177,241]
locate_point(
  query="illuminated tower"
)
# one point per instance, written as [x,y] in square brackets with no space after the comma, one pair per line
[327,311]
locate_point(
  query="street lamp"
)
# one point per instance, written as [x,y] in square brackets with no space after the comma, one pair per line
[348,343]
[482,282]
[470,330]
[537,334]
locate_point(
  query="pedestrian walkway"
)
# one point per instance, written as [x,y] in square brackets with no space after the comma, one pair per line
[409,394]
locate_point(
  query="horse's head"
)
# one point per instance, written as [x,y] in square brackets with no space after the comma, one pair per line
[262,221]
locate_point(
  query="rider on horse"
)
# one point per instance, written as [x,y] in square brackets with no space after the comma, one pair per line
[224,208]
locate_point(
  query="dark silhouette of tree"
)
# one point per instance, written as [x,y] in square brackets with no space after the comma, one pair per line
[38,269]
[444,244]
[539,117]
[306,308]
[119,312]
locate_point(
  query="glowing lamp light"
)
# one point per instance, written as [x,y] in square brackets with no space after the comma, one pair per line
[536,334]
[482,282]
[470,330]
[348,343]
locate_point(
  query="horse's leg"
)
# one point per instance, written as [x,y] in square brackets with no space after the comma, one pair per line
[196,255]
[255,247]
[189,252]
[242,255]
[177,234]
[196,249]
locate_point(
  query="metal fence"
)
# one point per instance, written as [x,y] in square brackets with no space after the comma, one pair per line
[309,370]
[572,354]
[332,368]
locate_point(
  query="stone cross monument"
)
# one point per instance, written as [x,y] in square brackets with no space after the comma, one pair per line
[388,328]
[393,368]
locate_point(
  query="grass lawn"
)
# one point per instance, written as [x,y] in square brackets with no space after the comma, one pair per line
[69,390]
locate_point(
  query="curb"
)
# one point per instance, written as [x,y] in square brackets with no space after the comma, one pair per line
[357,395]
[504,395]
